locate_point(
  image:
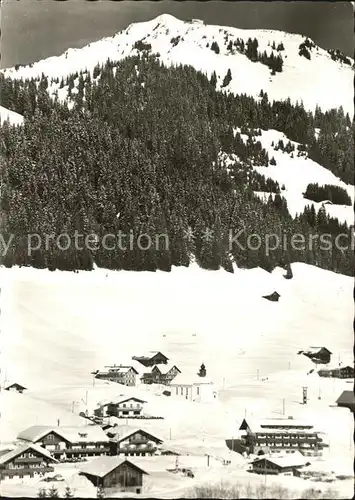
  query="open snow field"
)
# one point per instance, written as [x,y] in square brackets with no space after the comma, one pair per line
[59,327]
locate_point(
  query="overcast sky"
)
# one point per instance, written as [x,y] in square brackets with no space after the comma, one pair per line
[34,29]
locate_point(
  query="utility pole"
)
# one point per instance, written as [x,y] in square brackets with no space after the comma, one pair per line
[170,434]
[283,407]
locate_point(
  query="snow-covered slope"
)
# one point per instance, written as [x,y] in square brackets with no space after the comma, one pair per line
[293,172]
[319,81]
[10,116]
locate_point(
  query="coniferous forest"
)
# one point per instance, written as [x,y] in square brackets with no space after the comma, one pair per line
[144,141]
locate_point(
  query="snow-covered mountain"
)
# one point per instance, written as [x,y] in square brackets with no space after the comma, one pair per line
[320,80]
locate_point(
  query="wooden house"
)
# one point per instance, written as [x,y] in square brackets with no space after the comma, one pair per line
[152,358]
[162,374]
[275,434]
[132,441]
[344,372]
[28,460]
[123,407]
[287,464]
[319,355]
[115,472]
[66,443]
[346,400]
[121,374]
[15,387]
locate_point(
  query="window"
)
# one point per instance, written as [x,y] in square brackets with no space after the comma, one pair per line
[182,391]
[198,391]
[177,390]
[50,437]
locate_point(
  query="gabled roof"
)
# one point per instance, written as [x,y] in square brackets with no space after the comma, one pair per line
[15,384]
[101,466]
[89,433]
[295,459]
[7,457]
[346,397]
[121,369]
[121,400]
[149,355]
[164,369]
[123,432]
[316,350]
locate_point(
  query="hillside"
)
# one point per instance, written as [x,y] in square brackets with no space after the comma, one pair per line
[210,48]
[119,134]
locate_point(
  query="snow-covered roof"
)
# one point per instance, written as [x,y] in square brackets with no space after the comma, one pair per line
[101,466]
[270,424]
[90,433]
[22,449]
[190,379]
[124,431]
[149,354]
[123,399]
[295,459]
[121,368]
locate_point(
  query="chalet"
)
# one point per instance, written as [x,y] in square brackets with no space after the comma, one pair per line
[346,371]
[15,387]
[132,441]
[109,472]
[122,374]
[151,358]
[289,464]
[319,355]
[275,434]
[68,442]
[193,388]
[162,374]
[346,400]
[28,460]
[123,407]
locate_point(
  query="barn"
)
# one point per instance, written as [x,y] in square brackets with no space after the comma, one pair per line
[109,472]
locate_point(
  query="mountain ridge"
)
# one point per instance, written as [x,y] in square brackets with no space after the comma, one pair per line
[181,42]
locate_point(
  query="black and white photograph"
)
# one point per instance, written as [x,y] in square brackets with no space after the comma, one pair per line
[176,249]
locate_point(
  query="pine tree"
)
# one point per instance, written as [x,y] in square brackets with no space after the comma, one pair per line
[227,79]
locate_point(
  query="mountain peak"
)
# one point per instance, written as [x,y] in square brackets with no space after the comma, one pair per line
[283,65]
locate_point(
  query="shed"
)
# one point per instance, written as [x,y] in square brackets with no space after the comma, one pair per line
[108,472]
